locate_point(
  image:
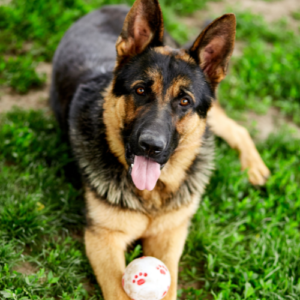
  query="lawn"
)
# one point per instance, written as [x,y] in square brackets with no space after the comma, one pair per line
[244,241]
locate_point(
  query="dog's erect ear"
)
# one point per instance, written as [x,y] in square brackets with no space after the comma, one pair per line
[143,27]
[213,48]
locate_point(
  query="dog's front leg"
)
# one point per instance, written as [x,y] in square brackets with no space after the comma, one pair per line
[238,138]
[105,250]
[168,246]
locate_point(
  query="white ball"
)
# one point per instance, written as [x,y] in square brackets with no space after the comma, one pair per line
[146,278]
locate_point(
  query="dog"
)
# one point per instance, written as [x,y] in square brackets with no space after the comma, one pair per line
[137,114]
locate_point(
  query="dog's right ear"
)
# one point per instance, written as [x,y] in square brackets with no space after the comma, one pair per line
[213,48]
[143,27]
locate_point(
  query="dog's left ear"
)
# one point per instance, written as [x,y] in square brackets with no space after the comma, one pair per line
[143,27]
[213,48]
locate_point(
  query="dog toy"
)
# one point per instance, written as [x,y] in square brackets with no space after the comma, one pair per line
[146,278]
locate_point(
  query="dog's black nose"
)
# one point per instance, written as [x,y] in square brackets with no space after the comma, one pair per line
[151,144]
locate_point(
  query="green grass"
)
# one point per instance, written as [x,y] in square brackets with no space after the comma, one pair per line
[19,73]
[265,75]
[39,210]
[243,243]
[186,6]
[31,30]
[268,72]
[251,27]
[296,15]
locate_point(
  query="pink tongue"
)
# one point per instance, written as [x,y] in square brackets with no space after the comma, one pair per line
[145,173]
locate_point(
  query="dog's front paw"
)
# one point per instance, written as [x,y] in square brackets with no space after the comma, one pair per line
[258,172]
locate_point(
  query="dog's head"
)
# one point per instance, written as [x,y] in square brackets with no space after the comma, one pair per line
[159,97]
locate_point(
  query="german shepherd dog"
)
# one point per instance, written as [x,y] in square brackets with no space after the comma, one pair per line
[137,115]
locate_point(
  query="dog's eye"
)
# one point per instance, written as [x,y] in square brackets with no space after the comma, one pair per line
[184,102]
[140,91]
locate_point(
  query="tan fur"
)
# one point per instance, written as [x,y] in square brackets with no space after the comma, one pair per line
[130,110]
[124,46]
[181,54]
[168,247]
[238,138]
[113,117]
[191,129]
[175,88]
[157,86]
[165,50]
[185,57]
[178,53]
[113,229]
[136,83]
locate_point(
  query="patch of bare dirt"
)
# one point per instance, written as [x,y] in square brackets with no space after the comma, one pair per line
[271,122]
[89,287]
[4,2]
[25,268]
[34,99]
[272,11]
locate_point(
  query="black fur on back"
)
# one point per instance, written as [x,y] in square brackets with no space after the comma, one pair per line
[87,51]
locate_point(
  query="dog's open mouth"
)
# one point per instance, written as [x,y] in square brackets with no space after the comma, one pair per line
[145,173]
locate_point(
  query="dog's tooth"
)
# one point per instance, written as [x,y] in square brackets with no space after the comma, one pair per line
[131,165]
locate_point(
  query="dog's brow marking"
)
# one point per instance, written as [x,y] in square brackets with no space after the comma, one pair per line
[157,86]
[178,53]
[136,83]
[166,50]
[184,56]
[190,94]
[177,84]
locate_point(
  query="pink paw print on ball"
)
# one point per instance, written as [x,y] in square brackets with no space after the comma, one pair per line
[162,269]
[146,278]
[139,281]
[165,292]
